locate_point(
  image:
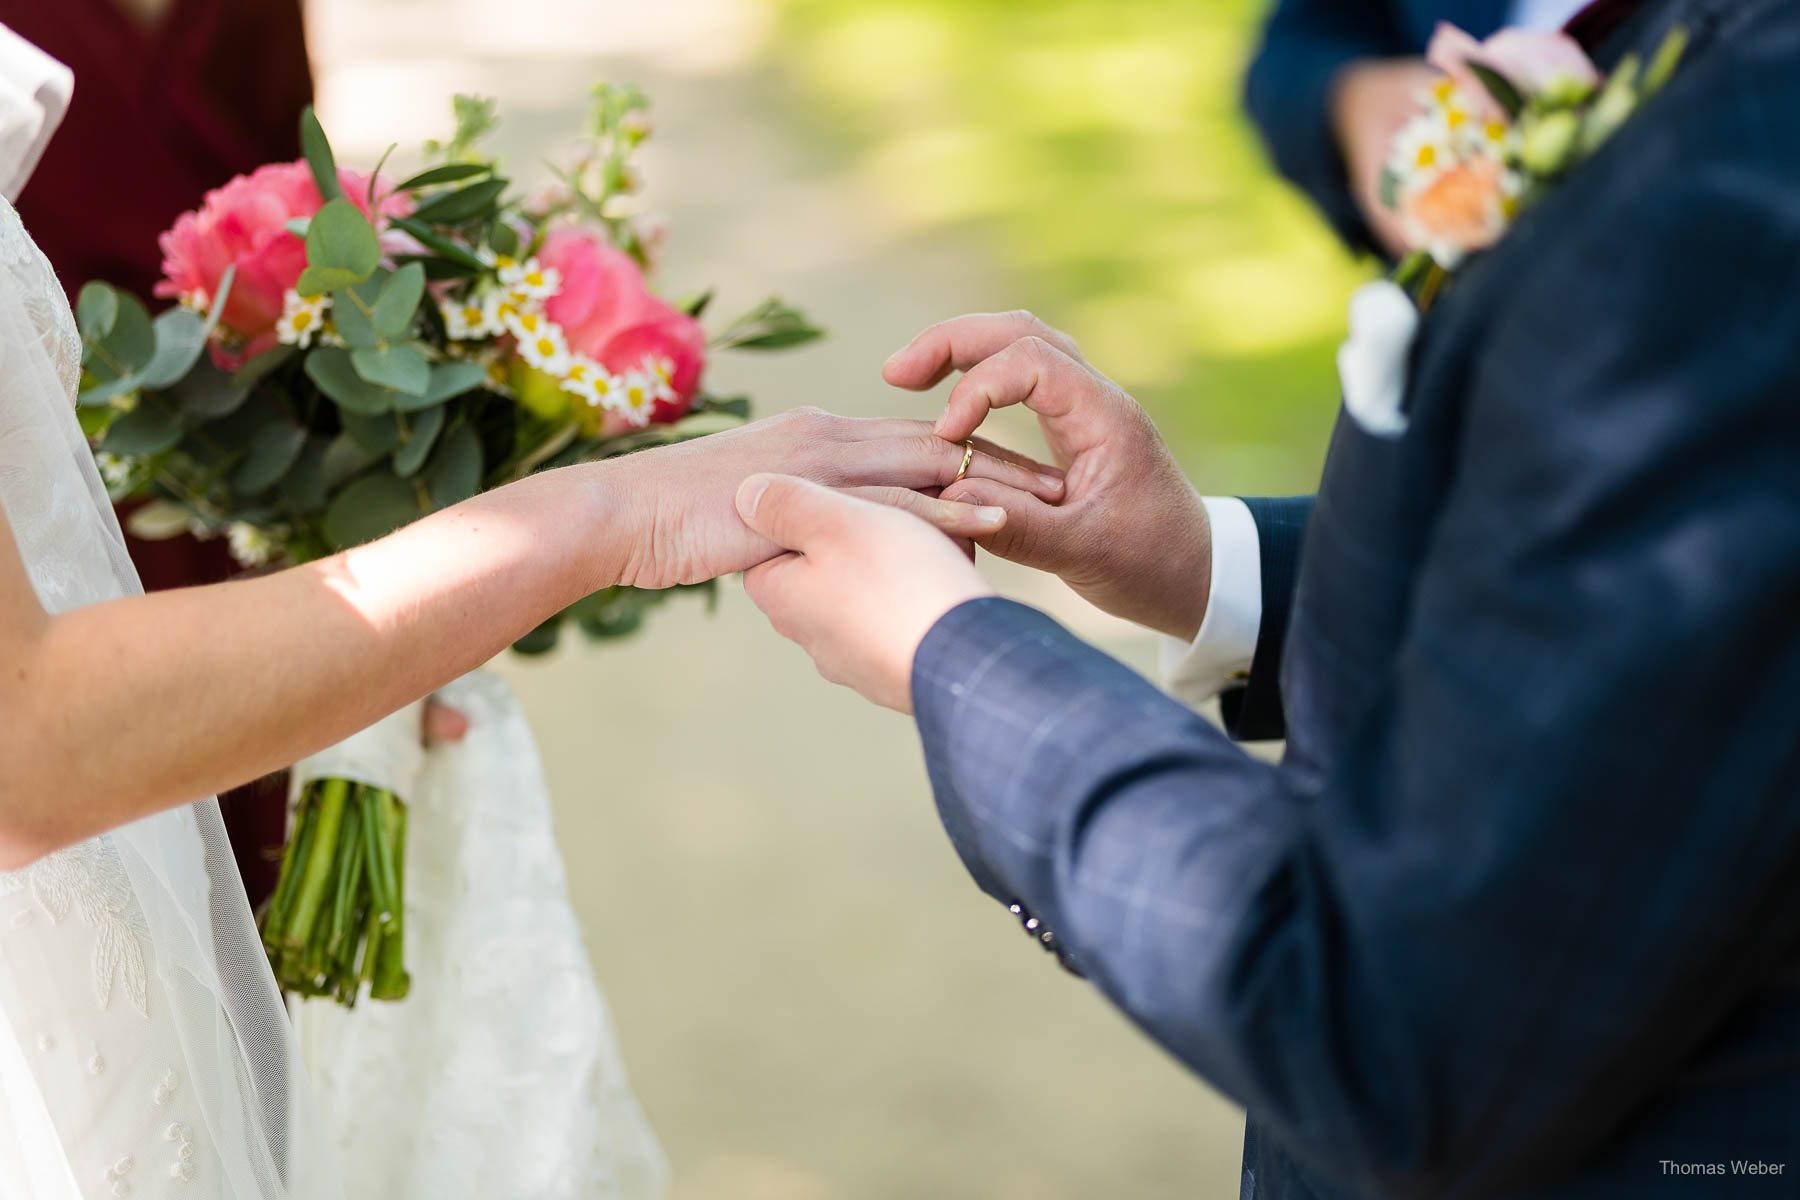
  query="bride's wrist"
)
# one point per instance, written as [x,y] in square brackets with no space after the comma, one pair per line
[609,521]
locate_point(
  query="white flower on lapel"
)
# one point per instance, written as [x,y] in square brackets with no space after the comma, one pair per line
[1372,361]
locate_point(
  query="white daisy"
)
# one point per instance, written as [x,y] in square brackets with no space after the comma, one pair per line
[635,396]
[530,280]
[590,381]
[542,345]
[661,372]
[302,318]
[113,469]
[1422,149]
[251,546]
[469,321]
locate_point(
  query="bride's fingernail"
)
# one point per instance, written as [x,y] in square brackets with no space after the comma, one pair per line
[893,358]
[1051,482]
[993,518]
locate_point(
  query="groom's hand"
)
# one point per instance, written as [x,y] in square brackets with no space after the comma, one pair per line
[861,584]
[1130,534]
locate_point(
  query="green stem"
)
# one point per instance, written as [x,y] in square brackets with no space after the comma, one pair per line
[330,817]
[391,980]
[349,879]
[275,916]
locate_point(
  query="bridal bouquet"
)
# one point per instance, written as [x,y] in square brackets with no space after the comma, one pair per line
[347,354]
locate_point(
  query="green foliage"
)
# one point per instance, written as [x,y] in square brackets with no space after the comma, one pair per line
[341,249]
[317,150]
[418,442]
[1499,87]
[398,368]
[455,472]
[332,372]
[371,507]
[771,325]
[464,205]
[476,117]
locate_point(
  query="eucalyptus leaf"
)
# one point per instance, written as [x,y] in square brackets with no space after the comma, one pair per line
[317,281]
[400,296]
[371,507]
[377,435]
[352,311]
[402,368]
[341,238]
[344,459]
[330,368]
[448,173]
[258,368]
[268,457]
[462,205]
[455,472]
[419,441]
[103,394]
[127,347]
[207,393]
[448,381]
[180,336]
[303,487]
[317,149]
[96,308]
[150,428]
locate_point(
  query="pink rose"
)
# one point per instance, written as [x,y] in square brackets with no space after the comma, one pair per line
[1532,61]
[244,224]
[608,314]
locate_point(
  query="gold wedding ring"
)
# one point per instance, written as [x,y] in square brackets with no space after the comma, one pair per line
[968,457]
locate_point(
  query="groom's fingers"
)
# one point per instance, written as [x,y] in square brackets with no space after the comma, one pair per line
[960,521]
[1033,532]
[958,344]
[796,514]
[1031,372]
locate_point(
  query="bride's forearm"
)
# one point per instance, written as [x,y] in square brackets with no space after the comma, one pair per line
[143,703]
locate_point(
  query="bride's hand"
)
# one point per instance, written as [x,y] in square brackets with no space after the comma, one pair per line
[678,500]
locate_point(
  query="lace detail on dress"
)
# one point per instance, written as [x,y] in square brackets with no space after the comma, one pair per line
[89,880]
[43,299]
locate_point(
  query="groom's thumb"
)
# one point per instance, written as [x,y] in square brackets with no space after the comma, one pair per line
[790,512]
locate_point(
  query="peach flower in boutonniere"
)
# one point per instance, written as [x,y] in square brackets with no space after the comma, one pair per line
[1510,118]
[1512,115]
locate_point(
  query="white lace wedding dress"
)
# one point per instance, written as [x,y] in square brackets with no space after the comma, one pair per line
[144,1050]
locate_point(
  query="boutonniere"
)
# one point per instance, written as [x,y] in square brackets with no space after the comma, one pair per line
[1512,117]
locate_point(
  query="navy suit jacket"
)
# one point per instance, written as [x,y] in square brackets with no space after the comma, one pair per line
[1289,84]
[1518,913]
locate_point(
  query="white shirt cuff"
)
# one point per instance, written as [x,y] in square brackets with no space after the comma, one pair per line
[1195,672]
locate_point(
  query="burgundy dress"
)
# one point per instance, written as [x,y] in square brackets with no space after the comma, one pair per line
[160,116]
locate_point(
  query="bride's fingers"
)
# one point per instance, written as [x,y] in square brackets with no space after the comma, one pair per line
[961,342]
[964,522]
[446,724]
[924,460]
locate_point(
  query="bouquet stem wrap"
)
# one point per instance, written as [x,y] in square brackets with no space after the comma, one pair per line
[337,919]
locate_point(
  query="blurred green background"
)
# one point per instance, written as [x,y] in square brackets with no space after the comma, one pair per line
[1098,148]
[814,1001]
